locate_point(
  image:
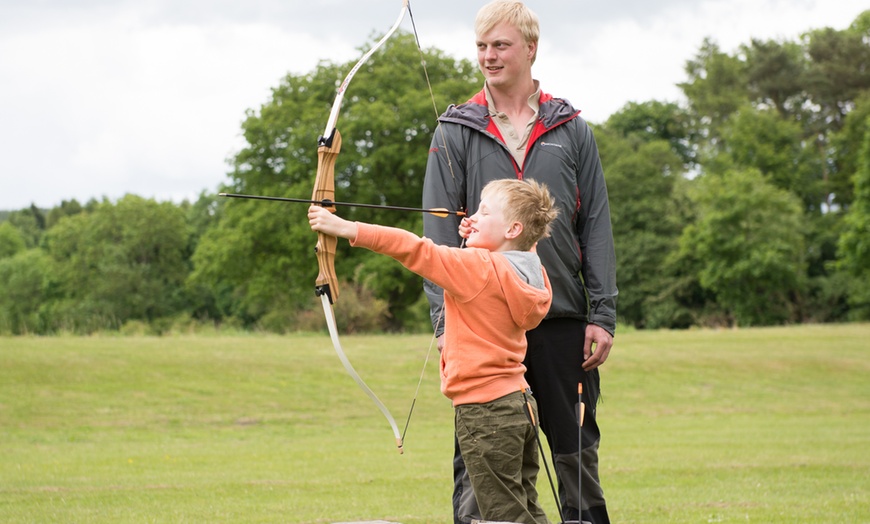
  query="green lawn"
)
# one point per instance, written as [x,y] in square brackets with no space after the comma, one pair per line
[754,425]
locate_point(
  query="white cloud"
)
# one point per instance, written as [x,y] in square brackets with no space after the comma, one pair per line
[112,106]
[105,98]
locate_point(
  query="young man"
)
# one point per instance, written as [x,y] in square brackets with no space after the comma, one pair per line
[494,291]
[511,129]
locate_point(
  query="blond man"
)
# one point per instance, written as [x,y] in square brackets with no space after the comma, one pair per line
[512,129]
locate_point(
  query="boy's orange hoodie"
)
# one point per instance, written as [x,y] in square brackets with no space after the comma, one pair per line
[488,307]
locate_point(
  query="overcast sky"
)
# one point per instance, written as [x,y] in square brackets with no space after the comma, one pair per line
[107,97]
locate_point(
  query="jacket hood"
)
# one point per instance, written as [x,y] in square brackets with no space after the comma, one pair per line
[527,288]
[475,113]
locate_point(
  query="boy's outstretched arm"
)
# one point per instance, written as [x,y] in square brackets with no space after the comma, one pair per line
[320,219]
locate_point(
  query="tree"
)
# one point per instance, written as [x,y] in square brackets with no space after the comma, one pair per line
[854,245]
[814,82]
[206,302]
[847,144]
[30,222]
[839,71]
[263,251]
[65,209]
[779,107]
[11,240]
[776,74]
[643,150]
[717,86]
[748,241]
[121,262]
[762,139]
[28,284]
[655,120]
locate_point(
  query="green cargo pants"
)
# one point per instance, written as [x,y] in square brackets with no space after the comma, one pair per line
[498,444]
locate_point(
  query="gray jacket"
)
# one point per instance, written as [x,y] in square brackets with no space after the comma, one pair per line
[467,152]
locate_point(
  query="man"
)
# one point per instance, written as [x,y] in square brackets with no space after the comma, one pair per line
[511,129]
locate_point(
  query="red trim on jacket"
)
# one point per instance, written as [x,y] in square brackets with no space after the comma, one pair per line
[537,131]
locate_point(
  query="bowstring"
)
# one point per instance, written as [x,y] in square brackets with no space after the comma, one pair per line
[431,94]
[450,167]
[422,373]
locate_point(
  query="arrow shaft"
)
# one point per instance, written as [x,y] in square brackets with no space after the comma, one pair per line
[329,203]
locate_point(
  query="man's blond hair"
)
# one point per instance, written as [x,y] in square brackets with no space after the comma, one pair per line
[514,13]
[527,202]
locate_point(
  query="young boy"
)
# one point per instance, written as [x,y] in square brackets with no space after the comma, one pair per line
[494,291]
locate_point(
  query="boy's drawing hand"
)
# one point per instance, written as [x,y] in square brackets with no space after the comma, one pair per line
[465,228]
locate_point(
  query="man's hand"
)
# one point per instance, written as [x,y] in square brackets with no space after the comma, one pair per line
[603,341]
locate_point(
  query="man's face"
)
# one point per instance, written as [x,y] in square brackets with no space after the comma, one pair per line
[503,56]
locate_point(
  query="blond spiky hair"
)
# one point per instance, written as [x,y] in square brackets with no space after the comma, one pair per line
[527,202]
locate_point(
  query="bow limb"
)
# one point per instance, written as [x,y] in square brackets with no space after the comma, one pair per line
[329,146]
[333,332]
[336,106]
[326,285]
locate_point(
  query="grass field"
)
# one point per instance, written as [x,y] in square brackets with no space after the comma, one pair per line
[754,425]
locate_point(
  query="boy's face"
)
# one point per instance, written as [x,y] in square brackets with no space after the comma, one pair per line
[489,227]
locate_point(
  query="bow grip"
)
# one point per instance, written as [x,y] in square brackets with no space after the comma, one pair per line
[324,189]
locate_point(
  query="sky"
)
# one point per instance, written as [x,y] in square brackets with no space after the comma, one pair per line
[100,98]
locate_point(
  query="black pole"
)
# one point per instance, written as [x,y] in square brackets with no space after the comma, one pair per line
[543,458]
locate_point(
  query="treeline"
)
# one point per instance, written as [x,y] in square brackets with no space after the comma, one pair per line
[749,204]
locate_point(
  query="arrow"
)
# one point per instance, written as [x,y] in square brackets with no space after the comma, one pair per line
[438,212]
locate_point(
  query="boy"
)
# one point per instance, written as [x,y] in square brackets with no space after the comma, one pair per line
[494,292]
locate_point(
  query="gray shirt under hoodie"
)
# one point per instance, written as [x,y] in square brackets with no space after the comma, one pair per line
[528,267]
